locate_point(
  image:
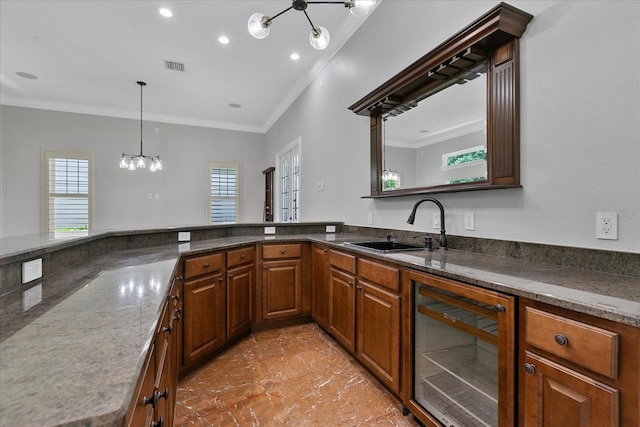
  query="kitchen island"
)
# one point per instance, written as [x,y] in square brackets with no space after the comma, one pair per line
[75,358]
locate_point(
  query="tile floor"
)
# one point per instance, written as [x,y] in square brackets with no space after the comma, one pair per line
[295,376]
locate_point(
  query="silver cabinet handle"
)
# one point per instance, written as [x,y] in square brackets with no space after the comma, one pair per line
[206,265]
[561,339]
[529,368]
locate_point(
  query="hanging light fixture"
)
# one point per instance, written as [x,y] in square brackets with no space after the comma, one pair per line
[259,25]
[134,161]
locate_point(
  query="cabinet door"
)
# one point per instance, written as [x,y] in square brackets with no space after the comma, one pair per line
[143,410]
[239,285]
[281,289]
[342,308]
[378,339]
[204,317]
[556,396]
[320,289]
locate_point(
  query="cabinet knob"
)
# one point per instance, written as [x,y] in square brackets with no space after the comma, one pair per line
[164,394]
[168,329]
[265,267]
[205,265]
[282,251]
[150,400]
[231,276]
[159,423]
[175,297]
[243,256]
[529,368]
[350,284]
[358,287]
[220,279]
[499,308]
[561,339]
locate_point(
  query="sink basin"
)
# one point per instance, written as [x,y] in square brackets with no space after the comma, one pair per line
[387,246]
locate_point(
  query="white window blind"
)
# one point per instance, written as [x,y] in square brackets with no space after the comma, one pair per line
[224,192]
[68,192]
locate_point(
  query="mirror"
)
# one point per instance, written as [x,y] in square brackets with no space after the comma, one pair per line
[451,120]
[443,140]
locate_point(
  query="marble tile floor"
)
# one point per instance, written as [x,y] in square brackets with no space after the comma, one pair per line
[295,376]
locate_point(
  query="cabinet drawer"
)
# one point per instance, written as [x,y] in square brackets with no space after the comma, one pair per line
[342,261]
[240,256]
[586,345]
[198,266]
[383,275]
[293,250]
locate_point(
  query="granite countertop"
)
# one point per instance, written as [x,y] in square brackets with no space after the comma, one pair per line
[74,359]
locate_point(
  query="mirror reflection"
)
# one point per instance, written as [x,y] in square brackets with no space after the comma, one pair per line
[441,140]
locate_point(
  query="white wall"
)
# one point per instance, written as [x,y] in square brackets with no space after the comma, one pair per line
[120,195]
[580,139]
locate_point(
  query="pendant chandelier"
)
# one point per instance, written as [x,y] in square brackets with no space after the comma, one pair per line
[134,161]
[260,25]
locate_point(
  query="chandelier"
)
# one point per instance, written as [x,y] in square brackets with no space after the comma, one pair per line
[260,25]
[134,161]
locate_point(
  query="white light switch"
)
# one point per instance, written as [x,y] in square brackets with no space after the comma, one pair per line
[469,221]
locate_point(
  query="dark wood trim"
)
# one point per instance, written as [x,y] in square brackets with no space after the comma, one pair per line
[492,38]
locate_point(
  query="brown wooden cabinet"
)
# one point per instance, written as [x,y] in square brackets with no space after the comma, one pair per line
[240,284]
[342,320]
[156,392]
[320,292]
[281,294]
[364,313]
[204,313]
[378,321]
[576,370]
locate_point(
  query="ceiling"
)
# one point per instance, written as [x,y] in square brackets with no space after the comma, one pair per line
[88,55]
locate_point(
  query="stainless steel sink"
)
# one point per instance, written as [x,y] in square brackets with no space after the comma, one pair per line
[387,246]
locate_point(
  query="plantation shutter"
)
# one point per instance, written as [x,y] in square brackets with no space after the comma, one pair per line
[224,193]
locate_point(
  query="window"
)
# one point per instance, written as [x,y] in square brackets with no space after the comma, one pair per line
[67,193]
[289,174]
[223,202]
[466,157]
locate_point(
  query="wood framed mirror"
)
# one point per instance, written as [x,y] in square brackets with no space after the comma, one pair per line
[478,151]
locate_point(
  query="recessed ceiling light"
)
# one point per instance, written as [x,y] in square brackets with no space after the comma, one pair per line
[27,75]
[223,40]
[294,56]
[165,12]
[234,105]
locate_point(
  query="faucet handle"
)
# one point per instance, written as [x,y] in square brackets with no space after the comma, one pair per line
[428,242]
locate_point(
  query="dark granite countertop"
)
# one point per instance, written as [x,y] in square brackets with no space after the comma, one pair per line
[74,358]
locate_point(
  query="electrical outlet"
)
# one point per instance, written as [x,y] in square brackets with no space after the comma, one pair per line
[607,225]
[184,236]
[469,221]
[436,221]
[269,230]
[330,229]
[31,297]
[370,218]
[31,270]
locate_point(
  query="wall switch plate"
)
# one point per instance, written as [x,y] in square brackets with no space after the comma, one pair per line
[269,230]
[436,221]
[330,229]
[370,218]
[469,221]
[31,270]
[31,297]
[184,236]
[607,225]
[149,196]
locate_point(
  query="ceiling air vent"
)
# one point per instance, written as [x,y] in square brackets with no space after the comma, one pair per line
[173,65]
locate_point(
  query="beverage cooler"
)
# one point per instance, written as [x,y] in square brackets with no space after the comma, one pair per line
[463,354]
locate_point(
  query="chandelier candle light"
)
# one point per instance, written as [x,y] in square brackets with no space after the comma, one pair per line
[260,25]
[133,161]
